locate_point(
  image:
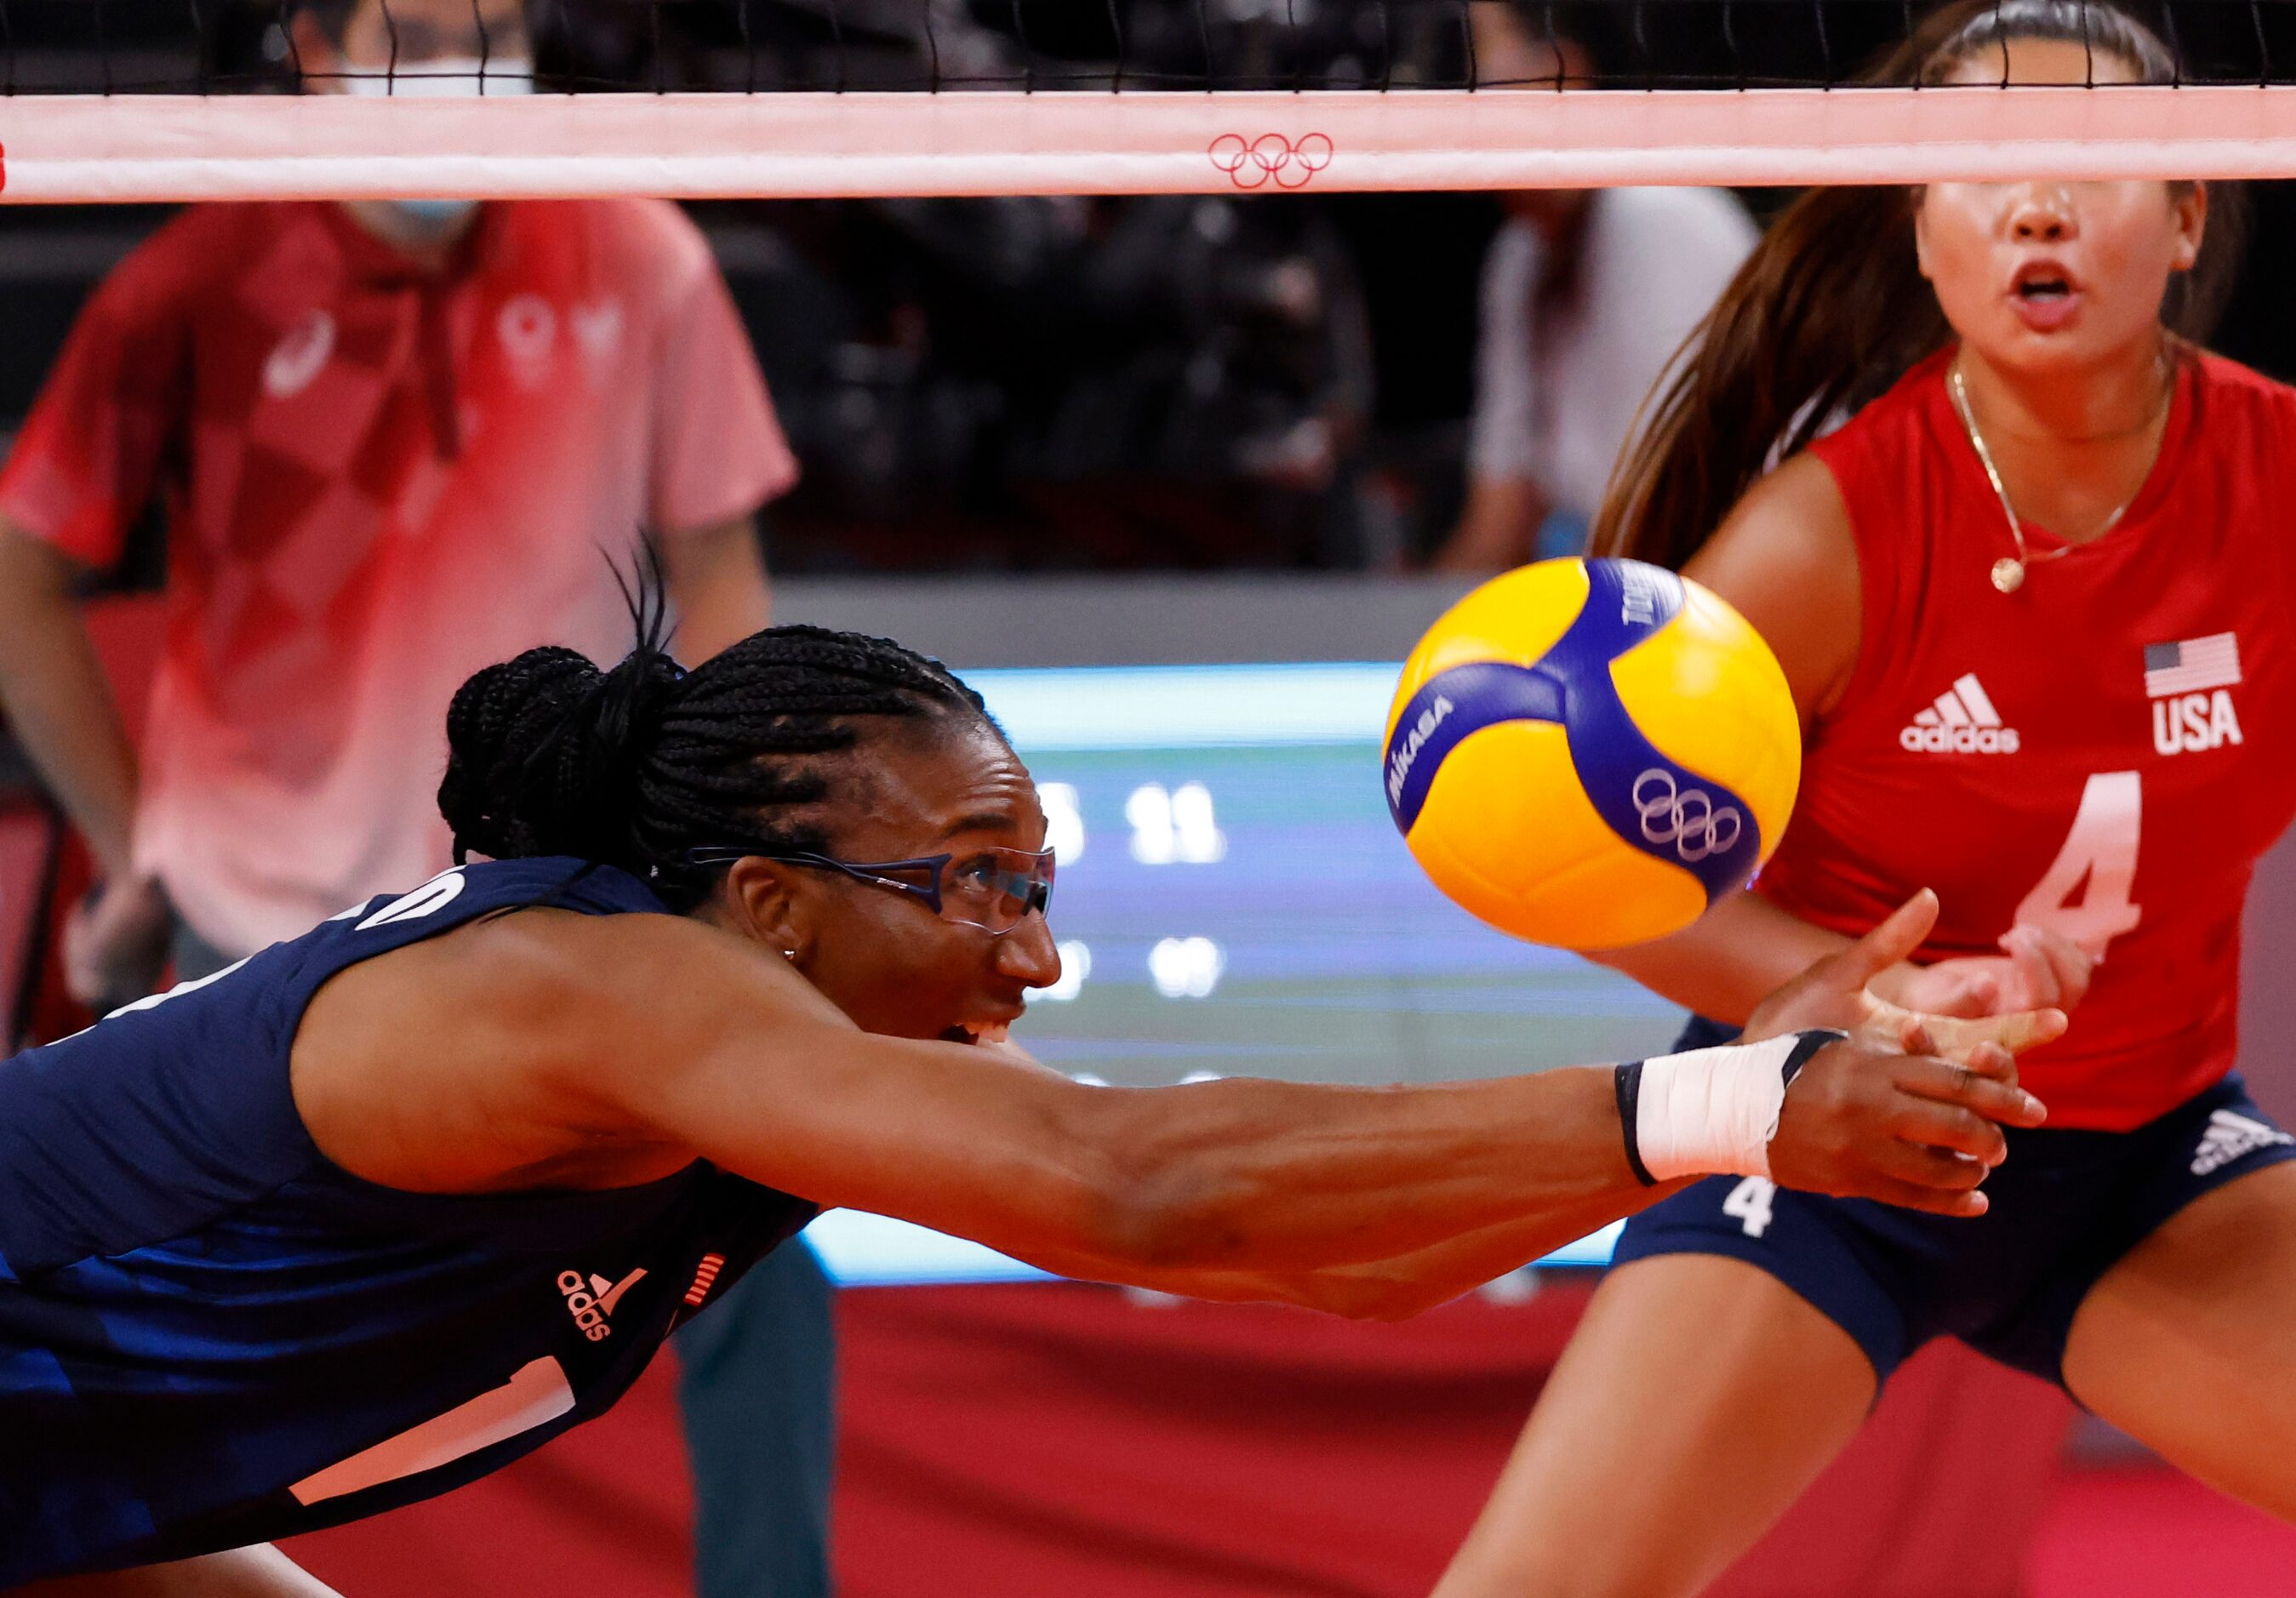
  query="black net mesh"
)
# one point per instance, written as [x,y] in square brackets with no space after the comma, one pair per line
[118,47]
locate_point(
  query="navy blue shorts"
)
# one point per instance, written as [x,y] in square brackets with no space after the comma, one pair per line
[2067,1205]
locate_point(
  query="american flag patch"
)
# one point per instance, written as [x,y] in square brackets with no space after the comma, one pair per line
[2191,666]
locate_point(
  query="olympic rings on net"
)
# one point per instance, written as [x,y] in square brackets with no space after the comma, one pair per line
[1251,162]
[1684,818]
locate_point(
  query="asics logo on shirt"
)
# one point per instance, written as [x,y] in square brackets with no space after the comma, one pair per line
[591,1300]
[2229,1137]
[298,358]
[1961,721]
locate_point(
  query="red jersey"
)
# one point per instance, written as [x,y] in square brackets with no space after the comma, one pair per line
[2093,753]
[380,480]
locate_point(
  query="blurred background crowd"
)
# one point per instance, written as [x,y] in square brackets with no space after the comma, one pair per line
[1381,381]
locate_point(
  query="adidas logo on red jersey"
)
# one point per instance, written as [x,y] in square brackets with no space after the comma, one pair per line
[1962,721]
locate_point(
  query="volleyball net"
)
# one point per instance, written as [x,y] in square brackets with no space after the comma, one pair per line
[178,100]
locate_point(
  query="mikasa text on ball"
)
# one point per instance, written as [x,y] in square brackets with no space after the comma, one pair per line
[1587,753]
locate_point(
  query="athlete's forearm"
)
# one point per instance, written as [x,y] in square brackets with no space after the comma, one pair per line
[716,577]
[731,1057]
[1497,528]
[1393,1290]
[1127,1183]
[1728,960]
[1281,1178]
[58,702]
[1277,1176]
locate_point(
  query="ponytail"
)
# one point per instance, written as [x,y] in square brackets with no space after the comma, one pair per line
[1828,311]
[636,765]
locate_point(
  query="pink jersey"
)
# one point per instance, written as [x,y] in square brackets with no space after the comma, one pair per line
[378,483]
[2094,752]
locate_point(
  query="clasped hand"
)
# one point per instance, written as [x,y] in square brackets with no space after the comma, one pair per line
[1910,1109]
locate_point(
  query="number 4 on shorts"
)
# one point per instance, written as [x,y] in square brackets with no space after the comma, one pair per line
[1749,1204]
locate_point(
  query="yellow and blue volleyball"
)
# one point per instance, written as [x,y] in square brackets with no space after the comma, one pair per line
[1588,753]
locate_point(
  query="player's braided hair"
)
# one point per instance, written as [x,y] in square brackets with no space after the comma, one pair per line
[632,768]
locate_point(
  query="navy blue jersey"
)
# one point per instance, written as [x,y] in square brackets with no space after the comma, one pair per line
[211,1335]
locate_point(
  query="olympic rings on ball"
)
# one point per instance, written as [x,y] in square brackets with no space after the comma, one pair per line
[1684,818]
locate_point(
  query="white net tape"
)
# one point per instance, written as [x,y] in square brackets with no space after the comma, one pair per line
[60,148]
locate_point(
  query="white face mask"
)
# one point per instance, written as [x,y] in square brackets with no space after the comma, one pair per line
[443,77]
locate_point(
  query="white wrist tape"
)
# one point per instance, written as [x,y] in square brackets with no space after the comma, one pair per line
[1709,1111]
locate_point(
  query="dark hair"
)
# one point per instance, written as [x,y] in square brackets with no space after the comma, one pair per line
[1831,308]
[632,768]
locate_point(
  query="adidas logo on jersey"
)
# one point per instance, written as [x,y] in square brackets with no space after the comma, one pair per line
[2229,1137]
[591,1300]
[1962,721]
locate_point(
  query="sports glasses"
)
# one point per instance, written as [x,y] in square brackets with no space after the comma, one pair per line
[992,888]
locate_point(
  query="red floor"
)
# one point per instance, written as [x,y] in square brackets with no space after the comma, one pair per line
[2149,1533]
[604,1511]
[2134,1533]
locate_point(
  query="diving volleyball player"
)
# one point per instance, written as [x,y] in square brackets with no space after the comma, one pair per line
[382,1207]
[2033,601]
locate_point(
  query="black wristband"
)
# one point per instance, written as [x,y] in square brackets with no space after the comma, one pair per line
[1808,1043]
[1628,1081]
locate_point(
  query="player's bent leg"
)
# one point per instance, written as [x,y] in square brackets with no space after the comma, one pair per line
[1698,1398]
[2189,1343]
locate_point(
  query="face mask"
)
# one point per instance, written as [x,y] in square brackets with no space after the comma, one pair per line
[443,77]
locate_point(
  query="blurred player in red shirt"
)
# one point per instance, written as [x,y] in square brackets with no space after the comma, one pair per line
[393,440]
[396,442]
[2033,600]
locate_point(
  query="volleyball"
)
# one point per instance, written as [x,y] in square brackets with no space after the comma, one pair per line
[1587,753]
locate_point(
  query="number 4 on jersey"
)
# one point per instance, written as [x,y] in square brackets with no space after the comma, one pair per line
[2100,851]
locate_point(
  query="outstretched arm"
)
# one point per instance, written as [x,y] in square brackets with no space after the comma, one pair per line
[547,1035]
[1834,993]
[1396,1289]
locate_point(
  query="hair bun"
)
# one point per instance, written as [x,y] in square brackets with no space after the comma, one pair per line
[546,753]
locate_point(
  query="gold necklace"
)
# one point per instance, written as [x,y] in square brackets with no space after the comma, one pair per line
[2009,570]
